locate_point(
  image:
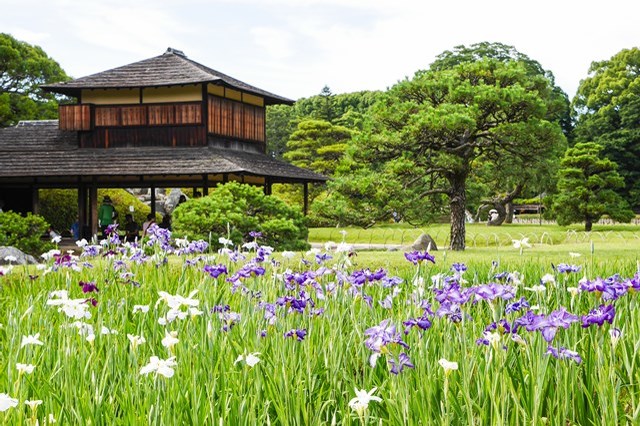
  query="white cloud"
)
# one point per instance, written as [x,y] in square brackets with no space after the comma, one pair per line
[275,42]
[295,47]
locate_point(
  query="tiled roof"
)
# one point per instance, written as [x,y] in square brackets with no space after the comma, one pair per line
[169,69]
[34,149]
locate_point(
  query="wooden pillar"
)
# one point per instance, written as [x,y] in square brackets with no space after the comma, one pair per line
[93,209]
[153,199]
[225,177]
[306,198]
[267,187]
[35,200]
[205,185]
[82,209]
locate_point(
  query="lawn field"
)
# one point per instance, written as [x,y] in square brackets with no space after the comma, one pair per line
[166,334]
[480,235]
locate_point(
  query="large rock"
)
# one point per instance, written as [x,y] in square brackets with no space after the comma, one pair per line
[21,258]
[173,199]
[424,242]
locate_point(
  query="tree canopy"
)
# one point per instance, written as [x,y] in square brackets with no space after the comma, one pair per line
[23,68]
[496,185]
[586,188]
[435,126]
[346,109]
[607,111]
[317,145]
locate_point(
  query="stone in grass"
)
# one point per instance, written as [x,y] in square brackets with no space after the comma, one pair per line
[21,258]
[424,242]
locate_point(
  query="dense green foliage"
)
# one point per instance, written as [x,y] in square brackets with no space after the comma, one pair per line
[607,111]
[23,68]
[348,110]
[430,130]
[60,206]
[24,232]
[317,145]
[586,188]
[233,210]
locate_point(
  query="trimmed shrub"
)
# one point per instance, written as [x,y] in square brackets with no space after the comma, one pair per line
[59,207]
[24,232]
[233,210]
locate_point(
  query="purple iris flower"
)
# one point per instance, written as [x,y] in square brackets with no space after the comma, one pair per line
[633,283]
[220,308]
[90,251]
[93,302]
[417,257]
[388,282]
[229,319]
[458,267]
[600,315]
[610,288]
[502,326]
[382,335]
[119,265]
[361,277]
[403,362]
[139,257]
[299,334]
[321,258]
[548,325]
[316,312]
[517,306]
[215,270]
[159,236]
[453,293]
[423,323]
[501,276]
[564,353]
[387,302]
[88,287]
[450,310]
[269,312]
[114,238]
[377,275]
[563,268]
[529,321]
[194,247]
[255,234]
[494,291]
[262,253]
[112,229]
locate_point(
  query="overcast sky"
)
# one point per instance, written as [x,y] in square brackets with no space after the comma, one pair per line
[295,47]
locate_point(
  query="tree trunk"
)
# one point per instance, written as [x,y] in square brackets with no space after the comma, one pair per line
[510,212]
[458,205]
[588,224]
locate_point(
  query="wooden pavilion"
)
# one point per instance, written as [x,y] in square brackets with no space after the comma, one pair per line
[166,121]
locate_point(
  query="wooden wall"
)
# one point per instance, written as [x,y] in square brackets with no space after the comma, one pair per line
[235,119]
[148,115]
[75,117]
[164,124]
[121,137]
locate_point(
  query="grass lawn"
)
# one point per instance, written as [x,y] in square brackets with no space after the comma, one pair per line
[480,235]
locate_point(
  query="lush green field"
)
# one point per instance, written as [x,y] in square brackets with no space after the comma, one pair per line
[267,346]
[481,235]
